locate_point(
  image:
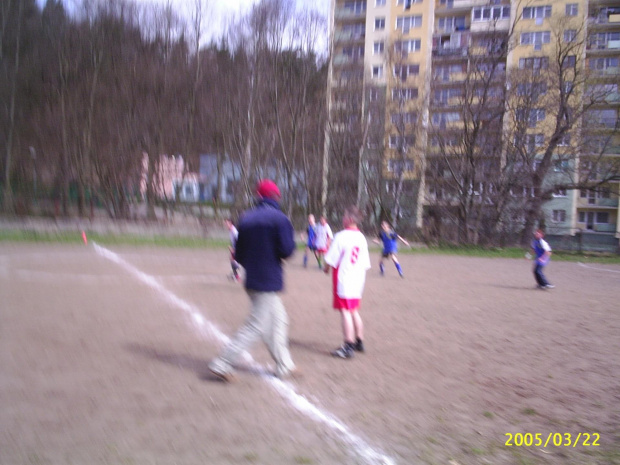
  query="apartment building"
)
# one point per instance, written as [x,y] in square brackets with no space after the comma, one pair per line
[440,72]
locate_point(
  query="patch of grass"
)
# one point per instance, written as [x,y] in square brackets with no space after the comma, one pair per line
[529,411]
[520,458]
[488,414]
[604,457]
[303,460]
[34,459]
[432,440]
[251,457]
[478,451]
[512,252]
[65,237]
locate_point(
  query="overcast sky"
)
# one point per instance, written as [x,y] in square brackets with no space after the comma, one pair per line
[221,11]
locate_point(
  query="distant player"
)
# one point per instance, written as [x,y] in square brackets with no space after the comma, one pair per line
[234,234]
[389,239]
[324,237]
[542,255]
[310,239]
[348,257]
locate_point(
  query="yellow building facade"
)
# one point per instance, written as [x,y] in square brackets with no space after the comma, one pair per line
[419,58]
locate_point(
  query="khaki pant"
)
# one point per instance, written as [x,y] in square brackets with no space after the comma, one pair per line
[267,320]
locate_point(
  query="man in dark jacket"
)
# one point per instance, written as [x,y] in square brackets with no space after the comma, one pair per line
[266,238]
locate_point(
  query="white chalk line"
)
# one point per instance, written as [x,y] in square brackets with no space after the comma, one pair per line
[597,269]
[285,389]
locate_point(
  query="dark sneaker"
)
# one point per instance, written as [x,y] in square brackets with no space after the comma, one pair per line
[344,351]
[359,346]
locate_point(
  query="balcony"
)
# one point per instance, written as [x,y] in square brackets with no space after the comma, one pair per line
[606,72]
[344,14]
[604,19]
[590,202]
[451,5]
[452,52]
[342,60]
[344,36]
[491,25]
[611,45]
[601,228]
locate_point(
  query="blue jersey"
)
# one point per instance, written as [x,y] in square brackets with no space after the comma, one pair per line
[311,237]
[541,246]
[389,242]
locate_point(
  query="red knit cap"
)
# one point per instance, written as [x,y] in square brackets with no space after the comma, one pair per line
[267,188]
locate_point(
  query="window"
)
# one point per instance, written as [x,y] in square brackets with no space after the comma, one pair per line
[532,117]
[380,3]
[356,7]
[399,119]
[444,95]
[534,63]
[490,13]
[404,2]
[443,72]
[532,90]
[603,63]
[379,24]
[441,119]
[489,93]
[373,94]
[354,31]
[400,165]
[408,93]
[407,46]
[570,35]
[572,9]
[534,140]
[378,48]
[445,140]
[558,216]
[377,71]
[559,192]
[564,141]
[533,12]
[353,52]
[601,40]
[405,23]
[607,118]
[601,91]
[602,217]
[404,71]
[569,62]
[452,23]
[398,141]
[560,166]
[535,38]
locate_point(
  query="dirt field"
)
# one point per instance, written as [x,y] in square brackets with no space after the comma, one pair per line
[104,352]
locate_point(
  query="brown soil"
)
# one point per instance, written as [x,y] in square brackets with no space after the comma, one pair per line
[97,367]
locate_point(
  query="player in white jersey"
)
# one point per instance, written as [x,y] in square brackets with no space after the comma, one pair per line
[348,257]
[233,234]
[324,237]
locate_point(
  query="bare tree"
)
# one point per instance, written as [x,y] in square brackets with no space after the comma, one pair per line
[552,118]
[465,129]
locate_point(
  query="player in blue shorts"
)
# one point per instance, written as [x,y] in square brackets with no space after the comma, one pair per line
[389,239]
[542,255]
[310,239]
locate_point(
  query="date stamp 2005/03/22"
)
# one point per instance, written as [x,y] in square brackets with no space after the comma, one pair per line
[552,439]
